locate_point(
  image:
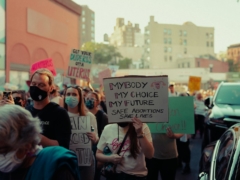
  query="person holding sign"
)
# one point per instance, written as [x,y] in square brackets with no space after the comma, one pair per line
[130,162]
[74,104]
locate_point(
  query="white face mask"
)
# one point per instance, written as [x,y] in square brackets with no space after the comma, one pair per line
[9,162]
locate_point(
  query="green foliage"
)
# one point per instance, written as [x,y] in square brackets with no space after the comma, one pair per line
[233,67]
[125,63]
[102,53]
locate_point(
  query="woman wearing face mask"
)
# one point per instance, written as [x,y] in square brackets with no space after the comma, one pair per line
[130,163]
[20,156]
[92,102]
[75,106]
[54,96]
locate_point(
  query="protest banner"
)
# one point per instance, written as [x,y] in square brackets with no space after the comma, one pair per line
[79,142]
[46,63]
[79,65]
[194,83]
[181,117]
[137,96]
[104,74]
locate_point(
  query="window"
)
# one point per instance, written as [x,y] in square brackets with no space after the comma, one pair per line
[92,15]
[92,21]
[165,40]
[92,28]
[211,35]
[148,41]
[148,49]
[169,32]
[188,64]
[211,44]
[165,31]
[169,41]
[170,58]
[229,94]
[83,26]
[169,49]
[165,58]
[83,19]
[207,35]
[198,64]
[185,50]
[180,33]
[83,12]
[207,44]
[185,33]
[92,35]
[165,49]
[185,42]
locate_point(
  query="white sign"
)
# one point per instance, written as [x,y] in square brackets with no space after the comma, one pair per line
[143,97]
[79,142]
[79,65]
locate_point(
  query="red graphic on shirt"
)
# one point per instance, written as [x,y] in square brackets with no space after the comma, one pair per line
[116,144]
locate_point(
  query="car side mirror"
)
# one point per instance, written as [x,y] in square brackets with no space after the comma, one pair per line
[203,176]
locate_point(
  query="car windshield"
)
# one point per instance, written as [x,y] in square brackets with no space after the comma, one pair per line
[228,95]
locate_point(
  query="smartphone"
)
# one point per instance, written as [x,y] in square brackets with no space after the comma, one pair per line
[7,95]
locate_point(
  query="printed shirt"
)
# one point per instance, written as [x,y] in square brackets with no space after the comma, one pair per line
[128,165]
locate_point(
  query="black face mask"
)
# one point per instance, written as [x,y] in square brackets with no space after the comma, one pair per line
[17,101]
[124,124]
[37,94]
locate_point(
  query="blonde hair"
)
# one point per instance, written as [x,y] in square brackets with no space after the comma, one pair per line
[45,72]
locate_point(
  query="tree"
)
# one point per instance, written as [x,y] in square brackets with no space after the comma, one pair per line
[102,53]
[233,67]
[125,63]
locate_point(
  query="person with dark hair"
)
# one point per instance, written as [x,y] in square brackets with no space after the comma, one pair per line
[130,163]
[75,106]
[19,98]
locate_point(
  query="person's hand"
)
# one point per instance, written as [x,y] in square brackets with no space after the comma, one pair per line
[6,101]
[92,136]
[169,133]
[137,124]
[115,158]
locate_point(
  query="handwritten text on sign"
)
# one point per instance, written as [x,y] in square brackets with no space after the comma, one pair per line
[79,142]
[194,83]
[79,64]
[47,63]
[142,97]
[181,117]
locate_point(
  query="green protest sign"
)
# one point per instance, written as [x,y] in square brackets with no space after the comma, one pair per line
[181,117]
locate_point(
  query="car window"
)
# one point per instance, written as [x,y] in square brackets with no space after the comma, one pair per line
[224,154]
[228,95]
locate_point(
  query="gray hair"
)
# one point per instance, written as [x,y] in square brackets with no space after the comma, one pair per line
[18,127]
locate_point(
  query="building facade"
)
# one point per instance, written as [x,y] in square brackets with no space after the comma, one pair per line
[233,52]
[214,65]
[2,42]
[87,25]
[126,35]
[35,33]
[165,43]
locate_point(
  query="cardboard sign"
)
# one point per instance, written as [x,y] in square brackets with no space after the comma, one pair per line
[181,117]
[79,142]
[47,63]
[194,83]
[138,96]
[104,74]
[79,65]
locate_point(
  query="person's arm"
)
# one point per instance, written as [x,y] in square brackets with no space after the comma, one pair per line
[45,142]
[62,128]
[146,145]
[113,158]
[93,135]
[172,135]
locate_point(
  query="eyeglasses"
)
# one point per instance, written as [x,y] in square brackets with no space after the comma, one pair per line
[91,99]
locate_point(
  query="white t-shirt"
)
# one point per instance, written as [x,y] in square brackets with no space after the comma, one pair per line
[175,94]
[200,108]
[92,119]
[128,165]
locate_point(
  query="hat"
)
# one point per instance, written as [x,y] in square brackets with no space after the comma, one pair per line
[171,84]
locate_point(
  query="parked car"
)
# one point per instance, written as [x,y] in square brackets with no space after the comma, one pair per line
[225,111]
[221,160]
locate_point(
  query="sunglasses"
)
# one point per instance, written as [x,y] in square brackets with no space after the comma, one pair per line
[17,99]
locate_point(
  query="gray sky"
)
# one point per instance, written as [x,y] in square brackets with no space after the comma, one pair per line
[223,15]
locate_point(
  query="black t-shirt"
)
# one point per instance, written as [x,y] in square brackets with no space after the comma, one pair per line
[55,123]
[104,107]
[102,121]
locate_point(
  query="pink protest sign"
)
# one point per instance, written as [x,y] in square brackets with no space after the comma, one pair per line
[104,74]
[46,63]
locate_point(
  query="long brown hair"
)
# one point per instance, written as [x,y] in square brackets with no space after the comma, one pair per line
[81,106]
[134,146]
